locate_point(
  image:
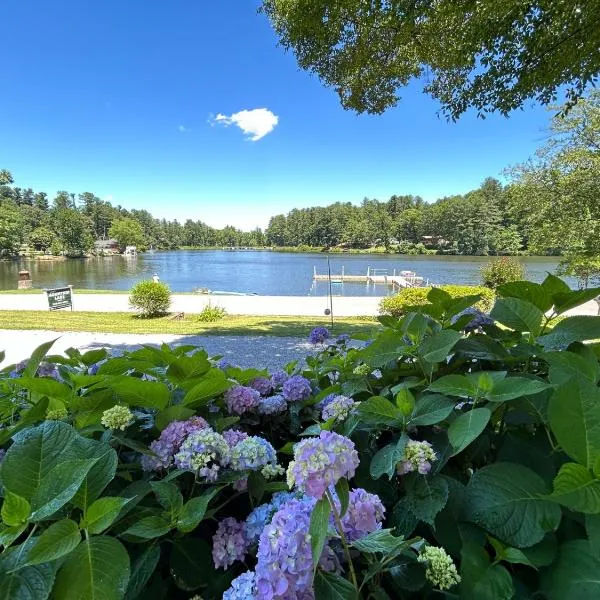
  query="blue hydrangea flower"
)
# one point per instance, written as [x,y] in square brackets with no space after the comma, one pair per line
[318,335]
[262,385]
[296,388]
[225,364]
[229,543]
[233,436]
[339,408]
[242,587]
[479,320]
[252,453]
[205,452]
[261,516]
[93,369]
[272,405]
[240,399]
[320,463]
[167,445]
[279,378]
[48,370]
[285,568]
[364,515]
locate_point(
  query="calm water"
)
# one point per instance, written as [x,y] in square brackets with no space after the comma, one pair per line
[265,273]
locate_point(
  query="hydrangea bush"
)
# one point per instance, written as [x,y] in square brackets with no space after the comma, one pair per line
[439,459]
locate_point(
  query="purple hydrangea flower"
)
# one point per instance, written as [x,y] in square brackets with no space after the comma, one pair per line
[229,543]
[364,515]
[339,408]
[18,370]
[262,385]
[167,445]
[296,388]
[242,587]
[240,399]
[320,463]
[241,485]
[318,335]
[322,404]
[418,456]
[48,370]
[205,452]
[479,320]
[285,568]
[272,405]
[252,453]
[279,378]
[261,516]
[93,369]
[233,436]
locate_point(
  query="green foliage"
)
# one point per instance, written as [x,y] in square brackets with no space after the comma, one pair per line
[412,298]
[499,271]
[10,229]
[482,60]
[585,268]
[211,314]
[150,299]
[127,232]
[41,238]
[74,231]
[483,446]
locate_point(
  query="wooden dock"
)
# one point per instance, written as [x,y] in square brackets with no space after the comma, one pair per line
[400,279]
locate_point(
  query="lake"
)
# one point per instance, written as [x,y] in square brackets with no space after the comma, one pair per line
[259,272]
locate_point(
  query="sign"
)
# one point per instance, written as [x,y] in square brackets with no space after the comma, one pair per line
[60,298]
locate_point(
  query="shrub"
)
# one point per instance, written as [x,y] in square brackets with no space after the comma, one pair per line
[150,299]
[585,268]
[210,314]
[432,462]
[412,298]
[503,269]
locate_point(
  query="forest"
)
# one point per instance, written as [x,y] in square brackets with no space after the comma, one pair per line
[549,205]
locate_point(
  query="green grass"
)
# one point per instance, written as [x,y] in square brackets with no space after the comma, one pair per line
[128,323]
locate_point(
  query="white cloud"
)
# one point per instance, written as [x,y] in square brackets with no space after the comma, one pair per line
[183,129]
[255,123]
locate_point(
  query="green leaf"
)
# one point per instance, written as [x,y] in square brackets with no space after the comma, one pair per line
[172,413]
[319,524]
[592,527]
[566,300]
[149,528]
[189,557]
[92,357]
[141,571]
[431,409]
[405,401]
[515,387]
[97,570]
[577,489]
[168,496]
[436,348]
[99,476]
[24,583]
[138,392]
[517,314]
[59,539]
[565,365]
[102,513]
[380,541]
[575,575]
[15,509]
[574,415]
[385,460]
[44,386]
[453,385]
[9,534]
[467,428]
[534,293]
[480,579]
[426,496]
[378,410]
[214,384]
[28,417]
[331,586]
[506,500]
[555,285]
[343,493]
[36,358]
[580,328]
[58,487]
[482,347]
[193,510]
[403,520]
[383,349]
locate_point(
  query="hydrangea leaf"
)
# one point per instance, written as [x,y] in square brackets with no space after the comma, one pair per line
[58,540]
[426,496]
[576,488]
[517,314]
[431,409]
[467,427]
[331,586]
[319,525]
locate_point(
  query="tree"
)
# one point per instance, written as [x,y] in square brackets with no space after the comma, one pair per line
[490,55]
[11,226]
[127,232]
[74,231]
[41,238]
[5,177]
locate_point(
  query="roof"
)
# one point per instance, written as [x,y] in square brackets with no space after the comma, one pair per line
[105,243]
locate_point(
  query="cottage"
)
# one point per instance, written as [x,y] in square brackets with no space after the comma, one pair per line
[106,247]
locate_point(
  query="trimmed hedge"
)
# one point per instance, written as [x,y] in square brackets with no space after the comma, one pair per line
[150,299]
[409,298]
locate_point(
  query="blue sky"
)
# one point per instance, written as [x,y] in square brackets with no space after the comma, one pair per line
[120,98]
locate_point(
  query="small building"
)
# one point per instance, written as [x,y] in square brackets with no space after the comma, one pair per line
[130,251]
[106,246]
[434,240]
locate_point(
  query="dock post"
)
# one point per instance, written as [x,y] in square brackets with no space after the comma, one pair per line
[342,272]
[314,272]
[368,271]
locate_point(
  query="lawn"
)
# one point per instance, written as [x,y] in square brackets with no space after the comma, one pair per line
[189,325]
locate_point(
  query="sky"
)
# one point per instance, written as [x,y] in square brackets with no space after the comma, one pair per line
[189,109]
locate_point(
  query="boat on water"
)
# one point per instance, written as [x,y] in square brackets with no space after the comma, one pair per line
[223,292]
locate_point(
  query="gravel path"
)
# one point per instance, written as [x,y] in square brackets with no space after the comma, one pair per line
[246,351]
